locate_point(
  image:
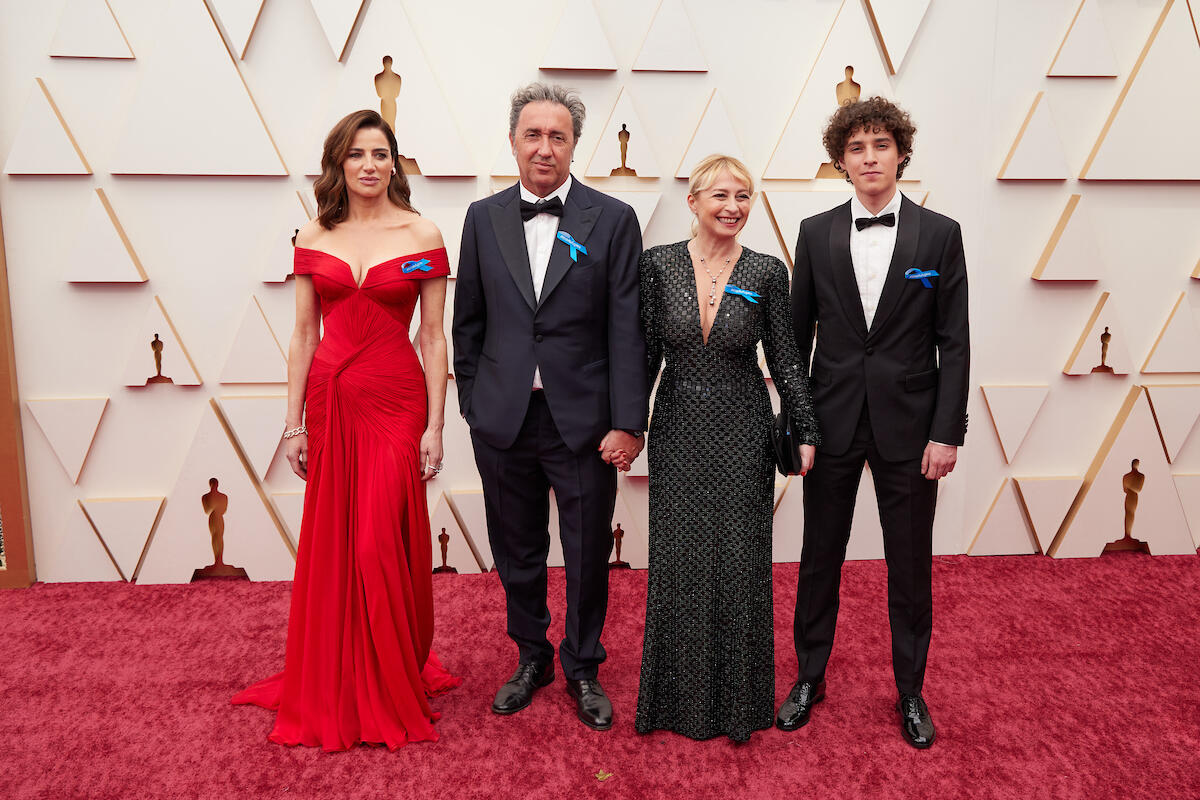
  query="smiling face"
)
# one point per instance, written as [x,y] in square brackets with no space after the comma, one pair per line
[721,207]
[368,164]
[871,160]
[543,145]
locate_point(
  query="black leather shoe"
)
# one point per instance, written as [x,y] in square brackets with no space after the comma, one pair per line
[915,722]
[592,705]
[518,692]
[793,714]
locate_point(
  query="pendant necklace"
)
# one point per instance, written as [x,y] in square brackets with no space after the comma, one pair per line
[712,290]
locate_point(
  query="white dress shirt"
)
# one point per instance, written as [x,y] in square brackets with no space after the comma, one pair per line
[540,232]
[871,252]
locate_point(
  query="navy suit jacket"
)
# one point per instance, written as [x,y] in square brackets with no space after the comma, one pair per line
[911,367]
[584,333]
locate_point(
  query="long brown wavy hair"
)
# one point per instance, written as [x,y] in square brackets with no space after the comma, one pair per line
[330,189]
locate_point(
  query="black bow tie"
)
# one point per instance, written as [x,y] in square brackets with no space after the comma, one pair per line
[887,221]
[531,210]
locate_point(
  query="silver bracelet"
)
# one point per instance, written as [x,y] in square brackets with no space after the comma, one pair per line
[295,432]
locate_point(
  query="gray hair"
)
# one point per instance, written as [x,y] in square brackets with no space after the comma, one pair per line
[540,92]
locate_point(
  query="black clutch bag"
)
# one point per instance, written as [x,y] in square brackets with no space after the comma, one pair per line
[786,443]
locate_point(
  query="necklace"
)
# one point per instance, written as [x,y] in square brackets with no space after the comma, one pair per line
[712,290]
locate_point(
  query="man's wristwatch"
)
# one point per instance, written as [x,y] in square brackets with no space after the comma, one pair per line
[634,434]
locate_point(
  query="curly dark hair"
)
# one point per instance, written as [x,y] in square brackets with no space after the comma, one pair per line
[876,114]
[333,206]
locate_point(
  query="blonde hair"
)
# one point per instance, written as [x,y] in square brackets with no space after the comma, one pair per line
[705,173]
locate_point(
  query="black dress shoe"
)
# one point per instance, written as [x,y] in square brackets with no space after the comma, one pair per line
[793,714]
[518,692]
[592,705]
[915,722]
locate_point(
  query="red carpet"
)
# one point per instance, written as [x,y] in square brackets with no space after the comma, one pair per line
[1047,679]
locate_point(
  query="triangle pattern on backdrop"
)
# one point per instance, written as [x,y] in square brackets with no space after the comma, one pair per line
[289,507]
[237,20]
[1085,51]
[1037,153]
[421,118]
[337,18]
[759,233]
[254,421]
[469,511]
[1129,478]
[141,367]
[1101,347]
[644,204]
[256,355]
[69,424]
[1013,409]
[789,209]
[1176,408]
[182,543]
[1071,254]
[89,29]
[44,145]
[279,257]
[896,25]
[1047,500]
[1188,485]
[1005,529]
[670,44]
[124,524]
[191,79]
[1177,346]
[578,41]
[68,549]
[714,133]
[606,158]
[848,56]
[1171,52]
[102,252]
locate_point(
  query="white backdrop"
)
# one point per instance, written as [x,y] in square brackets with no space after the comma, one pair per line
[202,140]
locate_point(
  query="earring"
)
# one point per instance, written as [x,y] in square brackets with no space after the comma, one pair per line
[393,170]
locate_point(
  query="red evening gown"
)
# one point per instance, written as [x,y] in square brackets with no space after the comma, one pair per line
[358,666]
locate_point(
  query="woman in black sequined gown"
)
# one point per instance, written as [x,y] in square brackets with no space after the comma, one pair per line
[708,657]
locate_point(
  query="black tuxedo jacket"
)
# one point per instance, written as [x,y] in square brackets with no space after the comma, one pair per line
[584,334]
[911,368]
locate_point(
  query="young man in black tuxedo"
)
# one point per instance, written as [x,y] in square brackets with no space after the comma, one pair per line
[550,363]
[882,284]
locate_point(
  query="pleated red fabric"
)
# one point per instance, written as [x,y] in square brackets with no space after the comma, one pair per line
[358,666]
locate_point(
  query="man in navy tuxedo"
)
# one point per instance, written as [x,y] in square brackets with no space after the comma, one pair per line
[550,365]
[882,285]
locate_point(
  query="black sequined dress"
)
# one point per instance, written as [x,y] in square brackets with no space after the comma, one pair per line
[708,657]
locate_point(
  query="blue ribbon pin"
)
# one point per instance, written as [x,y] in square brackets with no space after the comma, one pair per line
[753,297]
[575,246]
[923,276]
[413,266]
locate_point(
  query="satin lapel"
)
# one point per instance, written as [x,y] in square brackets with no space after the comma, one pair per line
[902,258]
[577,220]
[843,269]
[510,235]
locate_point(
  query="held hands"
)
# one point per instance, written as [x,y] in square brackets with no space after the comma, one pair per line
[808,455]
[938,461]
[431,453]
[620,449]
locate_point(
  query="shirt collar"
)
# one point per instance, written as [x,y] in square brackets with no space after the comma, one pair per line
[560,192]
[857,209]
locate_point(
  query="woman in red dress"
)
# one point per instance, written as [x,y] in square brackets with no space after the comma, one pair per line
[359,666]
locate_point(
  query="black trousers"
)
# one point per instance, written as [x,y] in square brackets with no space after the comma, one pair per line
[516,487]
[906,506]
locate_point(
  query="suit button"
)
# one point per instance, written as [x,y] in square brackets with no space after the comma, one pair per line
[870,351]
[538,338]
